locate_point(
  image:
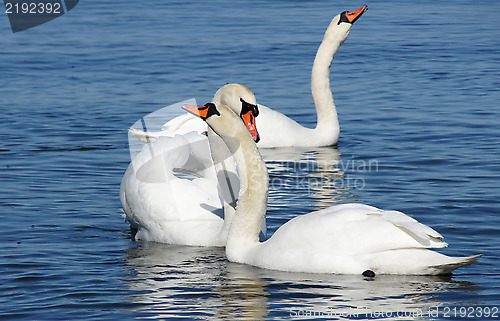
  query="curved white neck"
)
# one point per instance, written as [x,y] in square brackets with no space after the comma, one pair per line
[320,80]
[252,200]
[226,173]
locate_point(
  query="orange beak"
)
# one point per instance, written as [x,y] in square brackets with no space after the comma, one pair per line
[355,15]
[201,111]
[249,120]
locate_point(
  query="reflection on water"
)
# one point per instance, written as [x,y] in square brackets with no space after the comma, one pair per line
[314,173]
[180,281]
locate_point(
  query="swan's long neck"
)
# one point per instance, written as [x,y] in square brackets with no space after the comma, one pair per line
[252,199]
[320,81]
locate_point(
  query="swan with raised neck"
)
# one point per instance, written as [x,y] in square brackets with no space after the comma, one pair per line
[327,128]
[277,129]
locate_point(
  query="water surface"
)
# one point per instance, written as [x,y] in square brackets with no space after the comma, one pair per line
[416,86]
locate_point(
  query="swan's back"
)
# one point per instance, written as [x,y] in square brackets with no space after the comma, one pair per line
[183,124]
[352,229]
[353,238]
[276,130]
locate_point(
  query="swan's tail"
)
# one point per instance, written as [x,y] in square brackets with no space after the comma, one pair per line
[416,261]
[457,262]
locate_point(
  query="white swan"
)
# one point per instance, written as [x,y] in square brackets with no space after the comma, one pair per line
[172,193]
[346,239]
[278,130]
[327,129]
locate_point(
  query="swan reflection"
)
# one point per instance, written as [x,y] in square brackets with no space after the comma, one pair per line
[174,281]
[315,173]
[168,281]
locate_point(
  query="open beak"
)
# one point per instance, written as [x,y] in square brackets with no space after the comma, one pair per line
[249,120]
[355,15]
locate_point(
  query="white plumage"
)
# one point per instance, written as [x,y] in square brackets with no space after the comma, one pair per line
[172,192]
[346,239]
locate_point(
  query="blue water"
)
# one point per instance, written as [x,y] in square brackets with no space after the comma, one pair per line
[416,86]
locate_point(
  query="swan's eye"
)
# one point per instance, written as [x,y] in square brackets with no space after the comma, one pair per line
[209,109]
[212,110]
[343,18]
[351,17]
[246,107]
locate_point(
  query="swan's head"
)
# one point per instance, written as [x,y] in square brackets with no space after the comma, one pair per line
[342,23]
[234,96]
[224,121]
[242,101]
